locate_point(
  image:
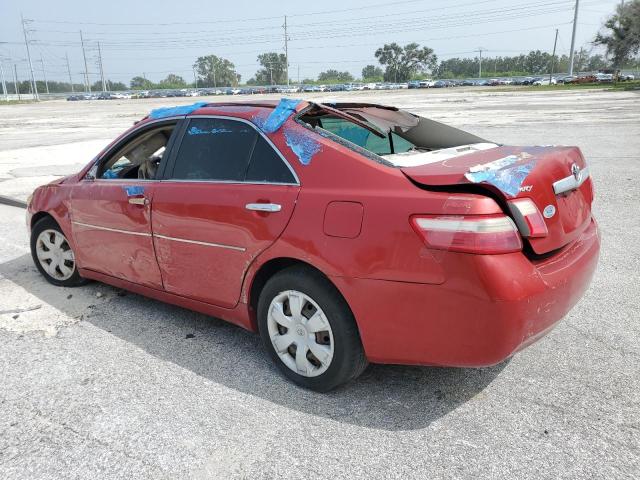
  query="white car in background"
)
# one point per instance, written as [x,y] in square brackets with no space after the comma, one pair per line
[604,77]
[545,81]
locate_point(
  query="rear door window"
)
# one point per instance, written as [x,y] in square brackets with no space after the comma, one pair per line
[267,166]
[215,149]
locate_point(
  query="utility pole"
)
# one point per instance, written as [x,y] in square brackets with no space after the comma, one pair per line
[286,50]
[573,38]
[104,85]
[298,74]
[480,69]
[26,43]
[87,85]
[4,84]
[195,77]
[553,57]
[44,74]
[69,70]
[15,80]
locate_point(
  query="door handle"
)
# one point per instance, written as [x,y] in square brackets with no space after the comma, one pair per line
[263,207]
[138,200]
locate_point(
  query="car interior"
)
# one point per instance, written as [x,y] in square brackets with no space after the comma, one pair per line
[140,158]
[384,131]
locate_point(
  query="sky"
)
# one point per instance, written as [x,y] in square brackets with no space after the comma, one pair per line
[161,37]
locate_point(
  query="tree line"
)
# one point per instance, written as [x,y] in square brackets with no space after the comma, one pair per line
[25,87]
[620,36]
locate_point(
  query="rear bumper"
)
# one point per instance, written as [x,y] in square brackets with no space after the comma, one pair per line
[490,306]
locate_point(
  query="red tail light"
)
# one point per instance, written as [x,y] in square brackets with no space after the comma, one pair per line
[528,218]
[481,234]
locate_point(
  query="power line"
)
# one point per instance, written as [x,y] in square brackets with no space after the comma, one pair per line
[361,26]
[226,21]
[442,21]
[26,44]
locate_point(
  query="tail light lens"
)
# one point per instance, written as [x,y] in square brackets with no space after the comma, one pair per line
[481,234]
[528,218]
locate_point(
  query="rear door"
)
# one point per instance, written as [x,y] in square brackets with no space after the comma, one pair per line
[111,206]
[227,195]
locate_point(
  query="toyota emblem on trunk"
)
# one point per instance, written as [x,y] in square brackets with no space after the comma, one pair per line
[576,172]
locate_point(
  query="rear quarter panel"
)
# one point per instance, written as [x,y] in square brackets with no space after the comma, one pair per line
[386,246]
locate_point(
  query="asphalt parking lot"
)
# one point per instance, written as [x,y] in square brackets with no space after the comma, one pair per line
[100,383]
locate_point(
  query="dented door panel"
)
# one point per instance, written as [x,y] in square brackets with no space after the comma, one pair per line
[205,236]
[112,235]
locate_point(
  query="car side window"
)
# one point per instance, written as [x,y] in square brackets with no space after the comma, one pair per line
[215,149]
[364,138]
[267,166]
[139,158]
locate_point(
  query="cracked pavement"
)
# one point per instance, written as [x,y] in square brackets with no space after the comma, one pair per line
[101,383]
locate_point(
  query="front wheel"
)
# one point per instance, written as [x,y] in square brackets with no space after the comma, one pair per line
[309,331]
[53,255]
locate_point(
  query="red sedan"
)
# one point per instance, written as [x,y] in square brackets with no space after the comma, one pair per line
[343,233]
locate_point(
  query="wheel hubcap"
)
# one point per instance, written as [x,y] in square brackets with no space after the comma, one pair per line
[55,254]
[300,333]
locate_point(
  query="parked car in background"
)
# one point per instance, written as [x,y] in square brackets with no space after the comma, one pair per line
[604,77]
[545,81]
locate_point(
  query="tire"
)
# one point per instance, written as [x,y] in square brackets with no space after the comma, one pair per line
[49,250]
[325,330]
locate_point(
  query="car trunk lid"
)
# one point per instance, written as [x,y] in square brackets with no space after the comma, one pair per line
[556,179]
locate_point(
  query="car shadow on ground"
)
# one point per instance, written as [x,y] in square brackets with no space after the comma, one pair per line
[384,397]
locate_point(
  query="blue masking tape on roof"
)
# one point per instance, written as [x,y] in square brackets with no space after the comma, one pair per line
[303,146]
[283,110]
[173,111]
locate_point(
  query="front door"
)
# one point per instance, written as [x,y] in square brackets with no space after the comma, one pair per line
[226,197]
[111,208]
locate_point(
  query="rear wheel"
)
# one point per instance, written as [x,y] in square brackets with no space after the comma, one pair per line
[53,255]
[308,330]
